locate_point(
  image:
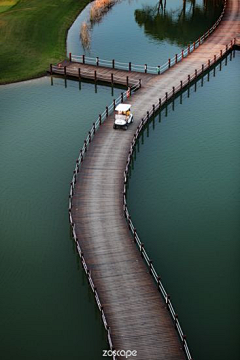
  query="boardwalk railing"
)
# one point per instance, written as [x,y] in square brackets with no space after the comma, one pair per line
[87,141]
[146,68]
[91,75]
[137,240]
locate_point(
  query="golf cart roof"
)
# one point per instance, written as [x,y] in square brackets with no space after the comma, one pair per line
[123,107]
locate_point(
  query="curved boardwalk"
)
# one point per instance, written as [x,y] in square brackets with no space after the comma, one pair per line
[135,310]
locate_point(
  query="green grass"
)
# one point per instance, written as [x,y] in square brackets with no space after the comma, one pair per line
[7,4]
[33,35]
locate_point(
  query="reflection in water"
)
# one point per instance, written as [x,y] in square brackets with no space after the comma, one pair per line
[64,82]
[98,9]
[182,25]
[169,107]
[146,31]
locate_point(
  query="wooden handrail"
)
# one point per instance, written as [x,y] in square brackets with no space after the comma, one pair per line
[131,226]
[87,142]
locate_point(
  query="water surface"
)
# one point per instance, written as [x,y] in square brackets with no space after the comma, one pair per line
[47,310]
[145,31]
[184,199]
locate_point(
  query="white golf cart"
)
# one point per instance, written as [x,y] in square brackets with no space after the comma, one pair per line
[123,116]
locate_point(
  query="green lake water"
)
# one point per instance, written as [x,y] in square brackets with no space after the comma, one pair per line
[145,31]
[47,310]
[184,199]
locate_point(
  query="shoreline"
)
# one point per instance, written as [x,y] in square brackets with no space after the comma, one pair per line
[43,72]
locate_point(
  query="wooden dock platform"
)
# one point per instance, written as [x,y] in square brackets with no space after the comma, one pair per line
[99,74]
[134,308]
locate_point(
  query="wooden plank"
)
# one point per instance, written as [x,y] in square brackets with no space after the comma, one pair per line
[135,310]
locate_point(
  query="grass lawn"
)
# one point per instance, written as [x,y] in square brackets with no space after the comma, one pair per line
[7,4]
[33,35]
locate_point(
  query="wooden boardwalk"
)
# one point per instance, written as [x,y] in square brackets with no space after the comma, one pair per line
[134,309]
[99,74]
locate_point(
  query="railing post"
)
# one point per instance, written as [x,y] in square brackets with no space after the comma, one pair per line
[160,102]
[195,73]
[140,83]
[221,53]
[145,68]
[150,266]
[153,107]
[141,249]
[113,63]
[134,234]
[95,76]
[70,57]
[89,136]
[88,273]
[181,84]
[175,320]
[209,62]
[159,70]
[106,111]
[127,80]
[169,63]
[189,78]
[166,94]
[83,59]
[51,69]
[215,58]
[175,58]
[173,90]
[74,176]
[199,42]
[202,67]
[114,104]
[121,97]
[184,341]
[79,74]
[147,115]
[188,49]
[65,71]
[167,300]
[194,45]
[130,66]
[112,78]
[77,165]
[182,54]
[97,61]
[94,128]
[100,119]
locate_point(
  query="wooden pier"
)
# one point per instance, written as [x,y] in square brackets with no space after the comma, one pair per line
[109,75]
[136,314]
